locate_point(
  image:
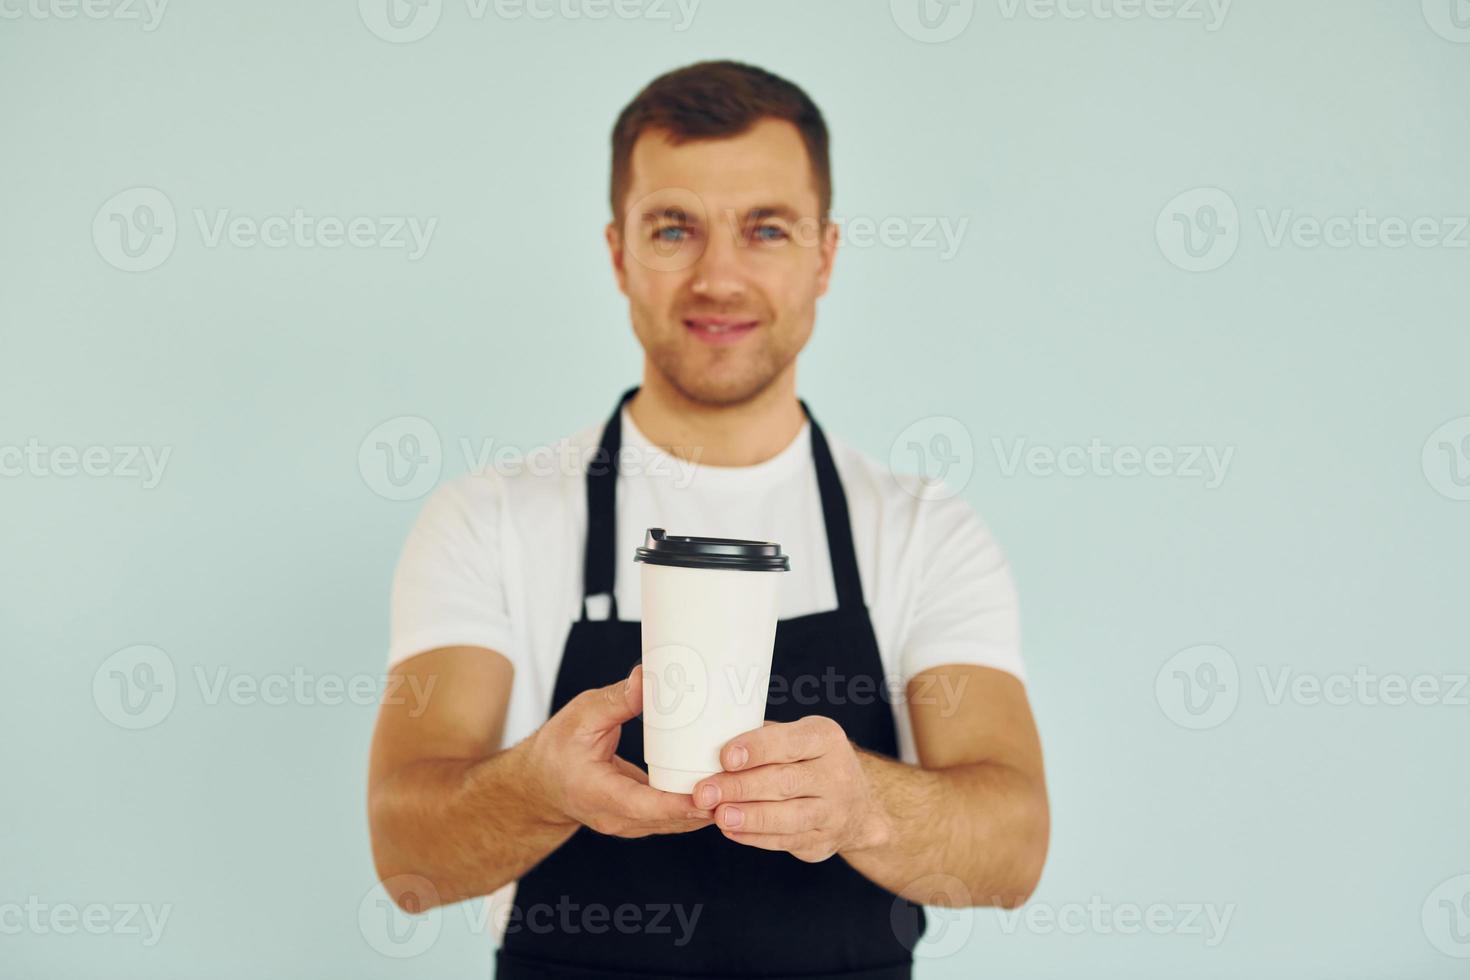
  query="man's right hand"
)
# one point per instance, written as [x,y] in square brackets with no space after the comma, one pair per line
[577,773]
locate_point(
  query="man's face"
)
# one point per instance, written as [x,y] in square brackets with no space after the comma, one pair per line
[722,257]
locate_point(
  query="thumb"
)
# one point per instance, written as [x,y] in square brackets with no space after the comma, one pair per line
[600,708]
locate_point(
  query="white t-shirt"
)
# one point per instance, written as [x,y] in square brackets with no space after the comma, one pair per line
[495,559]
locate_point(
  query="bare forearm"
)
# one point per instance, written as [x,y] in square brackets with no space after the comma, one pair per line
[467,826]
[983,824]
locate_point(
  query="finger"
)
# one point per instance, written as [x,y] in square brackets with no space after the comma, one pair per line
[777,781]
[627,808]
[685,825]
[628,769]
[634,692]
[630,799]
[808,738]
[786,817]
[601,708]
[790,843]
[636,831]
[628,827]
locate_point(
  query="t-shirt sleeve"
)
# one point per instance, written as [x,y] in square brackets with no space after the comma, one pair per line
[965,607]
[447,587]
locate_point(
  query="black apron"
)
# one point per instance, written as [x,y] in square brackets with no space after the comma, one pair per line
[760,913]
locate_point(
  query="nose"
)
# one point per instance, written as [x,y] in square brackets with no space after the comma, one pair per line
[718,273]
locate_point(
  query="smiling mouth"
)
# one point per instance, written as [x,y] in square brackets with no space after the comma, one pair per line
[719,329]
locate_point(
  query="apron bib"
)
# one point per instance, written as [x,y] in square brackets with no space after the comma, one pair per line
[760,913]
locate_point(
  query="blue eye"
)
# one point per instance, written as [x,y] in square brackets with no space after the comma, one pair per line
[667,234]
[770,233]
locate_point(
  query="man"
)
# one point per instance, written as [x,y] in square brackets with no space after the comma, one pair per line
[811,854]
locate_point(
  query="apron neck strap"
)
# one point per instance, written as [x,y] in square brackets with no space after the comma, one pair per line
[598,567]
[599,559]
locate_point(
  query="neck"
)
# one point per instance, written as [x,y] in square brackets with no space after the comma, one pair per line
[741,434]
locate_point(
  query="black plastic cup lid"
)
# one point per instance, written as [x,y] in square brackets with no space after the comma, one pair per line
[691,552]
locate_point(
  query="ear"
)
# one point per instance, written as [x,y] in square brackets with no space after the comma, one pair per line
[614,238]
[830,239]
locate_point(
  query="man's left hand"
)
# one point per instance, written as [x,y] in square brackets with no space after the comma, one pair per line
[797,787]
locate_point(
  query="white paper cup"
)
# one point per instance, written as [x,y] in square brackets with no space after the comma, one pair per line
[709,628]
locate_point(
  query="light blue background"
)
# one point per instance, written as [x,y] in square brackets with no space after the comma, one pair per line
[1061,319]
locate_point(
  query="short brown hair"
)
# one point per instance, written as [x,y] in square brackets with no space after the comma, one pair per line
[714,99]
